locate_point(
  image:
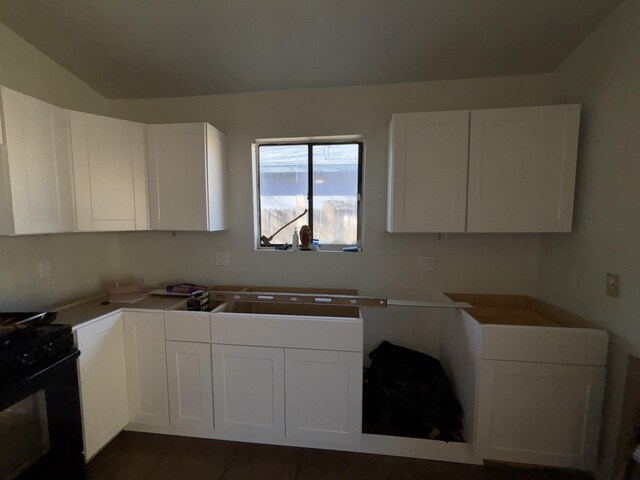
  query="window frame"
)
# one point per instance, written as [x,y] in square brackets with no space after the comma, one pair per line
[310,142]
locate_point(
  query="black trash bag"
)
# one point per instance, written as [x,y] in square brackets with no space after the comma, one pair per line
[407,393]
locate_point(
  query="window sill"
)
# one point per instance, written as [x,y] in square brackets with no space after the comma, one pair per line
[305,252]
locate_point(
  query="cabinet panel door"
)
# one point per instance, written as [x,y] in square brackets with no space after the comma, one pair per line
[146,368]
[177,176]
[522,166]
[540,414]
[189,377]
[103,381]
[324,395]
[39,157]
[109,172]
[248,389]
[428,157]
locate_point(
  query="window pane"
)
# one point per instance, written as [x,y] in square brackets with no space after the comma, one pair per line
[335,193]
[284,188]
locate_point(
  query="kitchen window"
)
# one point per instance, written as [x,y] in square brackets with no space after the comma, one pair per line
[323,177]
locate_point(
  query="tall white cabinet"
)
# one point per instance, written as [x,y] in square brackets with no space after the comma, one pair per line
[103,377]
[187,177]
[110,173]
[35,167]
[428,155]
[497,170]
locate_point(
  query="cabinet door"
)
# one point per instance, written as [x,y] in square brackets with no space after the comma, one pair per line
[39,159]
[248,389]
[428,155]
[177,176]
[189,377]
[324,395]
[146,368]
[109,164]
[522,168]
[103,382]
[540,414]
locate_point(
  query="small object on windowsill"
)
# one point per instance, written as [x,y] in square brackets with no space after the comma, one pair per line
[286,246]
[305,237]
[295,241]
[351,248]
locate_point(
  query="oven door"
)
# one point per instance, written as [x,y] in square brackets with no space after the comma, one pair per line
[40,423]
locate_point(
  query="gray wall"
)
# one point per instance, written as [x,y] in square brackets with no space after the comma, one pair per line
[389,263]
[603,74]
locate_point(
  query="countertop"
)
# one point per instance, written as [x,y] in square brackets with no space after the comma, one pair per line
[81,312]
[520,310]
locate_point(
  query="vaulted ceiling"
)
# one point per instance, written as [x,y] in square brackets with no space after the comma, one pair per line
[167,48]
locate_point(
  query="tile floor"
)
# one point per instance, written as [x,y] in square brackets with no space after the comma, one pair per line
[133,456]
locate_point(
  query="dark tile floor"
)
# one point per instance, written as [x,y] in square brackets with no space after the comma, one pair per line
[133,456]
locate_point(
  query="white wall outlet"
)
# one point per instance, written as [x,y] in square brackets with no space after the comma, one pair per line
[613,285]
[428,264]
[45,269]
[222,259]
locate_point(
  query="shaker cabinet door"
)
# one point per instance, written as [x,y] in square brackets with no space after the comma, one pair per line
[324,395]
[428,156]
[522,168]
[189,378]
[248,388]
[541,414]
[146,368]
[110,173]
[39,166]
[103,381]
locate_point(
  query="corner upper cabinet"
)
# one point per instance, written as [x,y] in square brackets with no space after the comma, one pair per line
[110,173]
[35,167]
[187,177]
[522,167]
[428,155]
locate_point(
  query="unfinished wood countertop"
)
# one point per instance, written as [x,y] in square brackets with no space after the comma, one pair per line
[521,310]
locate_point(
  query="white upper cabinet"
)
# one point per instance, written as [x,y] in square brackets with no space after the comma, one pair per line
[428,155]
[187,177]
[110,173]
[499,170]
[35,167]
[522,164]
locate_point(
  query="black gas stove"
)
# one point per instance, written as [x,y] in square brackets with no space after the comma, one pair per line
[27,339]
[40,420]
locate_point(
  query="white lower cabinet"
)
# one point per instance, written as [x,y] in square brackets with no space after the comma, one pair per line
[324,395]
[103,379]
[146,368]
[248,388]
[537,413]
[189,379]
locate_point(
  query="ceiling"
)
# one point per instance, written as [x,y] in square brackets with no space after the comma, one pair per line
[167,48]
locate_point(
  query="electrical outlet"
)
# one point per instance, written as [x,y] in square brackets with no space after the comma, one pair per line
[222,259]
[44,268]
[613,285]
[428,264]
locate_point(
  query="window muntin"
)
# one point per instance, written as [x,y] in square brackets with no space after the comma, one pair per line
[324,178]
